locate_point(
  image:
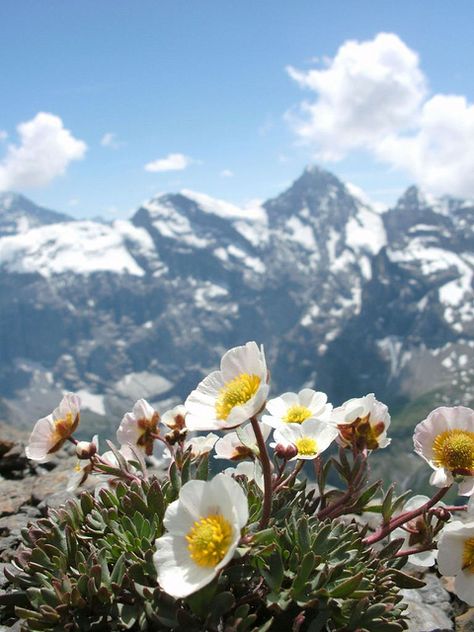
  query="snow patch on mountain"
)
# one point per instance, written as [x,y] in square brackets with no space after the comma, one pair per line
[224,209]
[170,223]
[81,247]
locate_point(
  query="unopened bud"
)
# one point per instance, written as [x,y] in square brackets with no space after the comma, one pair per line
[85,449]
[286,452]
[441,513]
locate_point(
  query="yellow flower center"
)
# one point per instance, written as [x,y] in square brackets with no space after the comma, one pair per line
[454,450]
[297,414]
[306,446]
[236,393]
[468,555]
[209,540]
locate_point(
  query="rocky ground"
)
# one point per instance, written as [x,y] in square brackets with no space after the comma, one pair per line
[27,490]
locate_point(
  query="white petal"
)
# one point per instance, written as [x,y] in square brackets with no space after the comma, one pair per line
[178,575]
[143,410]
[450,549]
[245,359]
[70,403]
[128,431]
[192,496]
[41,440]
[278,406]
[236,503]
[423,558]
[314,400]
[178,519]
[466,487]
[440,478]
[464,587]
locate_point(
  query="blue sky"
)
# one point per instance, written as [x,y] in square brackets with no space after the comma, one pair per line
[207,83]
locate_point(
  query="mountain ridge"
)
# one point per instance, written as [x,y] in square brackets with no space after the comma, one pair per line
[345,298]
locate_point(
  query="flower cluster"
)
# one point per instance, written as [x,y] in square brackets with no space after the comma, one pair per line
[209,524]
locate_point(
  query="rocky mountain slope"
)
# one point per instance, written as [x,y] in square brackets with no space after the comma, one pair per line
[344,298]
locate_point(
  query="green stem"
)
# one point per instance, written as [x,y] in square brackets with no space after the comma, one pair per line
[267,473]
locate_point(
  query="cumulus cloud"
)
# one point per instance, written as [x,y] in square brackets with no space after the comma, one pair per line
[44,152]
[440,155]
[368,90]
[172,162]
[110,140]
[373,95]
[3,135]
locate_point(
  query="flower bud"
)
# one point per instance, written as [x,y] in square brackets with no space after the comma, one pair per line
[85,449]
[286,452]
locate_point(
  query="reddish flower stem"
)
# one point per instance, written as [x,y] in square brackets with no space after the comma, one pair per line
[420,549]
[297,469]
[381,533]
[267,473]
[347,496]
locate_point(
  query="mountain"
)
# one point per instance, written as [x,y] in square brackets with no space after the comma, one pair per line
[346,299]
[18,215]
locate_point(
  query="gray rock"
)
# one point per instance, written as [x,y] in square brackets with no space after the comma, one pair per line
[429,608]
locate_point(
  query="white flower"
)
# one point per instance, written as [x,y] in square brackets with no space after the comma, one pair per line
[229,397]
[310,438]
[363,421]
[456,557]
[251,469]
[241,444]
[175,418]
[49,433]
[417,536]
[201,445]
[445,439]
[83,468]
[294,408]
[137,427]
[203,530]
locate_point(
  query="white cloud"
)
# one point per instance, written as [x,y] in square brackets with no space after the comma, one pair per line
[368,90]
[3,135]
[172,162]
[372,95]
[73,202]
[110,140]
[226,173]
[44,152]
[440,155]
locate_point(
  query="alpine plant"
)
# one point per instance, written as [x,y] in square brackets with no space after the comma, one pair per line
[223,532]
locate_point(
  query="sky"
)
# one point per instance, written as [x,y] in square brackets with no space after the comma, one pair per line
[104,104]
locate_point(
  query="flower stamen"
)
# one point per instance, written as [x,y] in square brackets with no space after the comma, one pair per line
[236,392]
[209,539]
[306,446]
[468,555]
[454,450]
[297,414]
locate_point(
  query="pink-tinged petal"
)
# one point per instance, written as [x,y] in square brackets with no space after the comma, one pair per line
[128,431]
[143,410]
[41,440]
[70,403]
